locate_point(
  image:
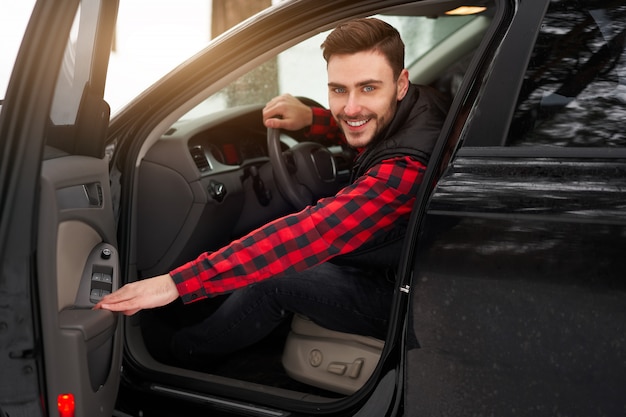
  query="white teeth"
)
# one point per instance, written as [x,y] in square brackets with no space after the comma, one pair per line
[356,123]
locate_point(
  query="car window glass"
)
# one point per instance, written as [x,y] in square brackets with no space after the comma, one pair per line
[574,90]
[151,39]
[13,21]
[301,69]
[420,34]
[74,72]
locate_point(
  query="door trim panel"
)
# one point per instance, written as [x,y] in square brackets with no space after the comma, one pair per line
[76,247]
[77,240]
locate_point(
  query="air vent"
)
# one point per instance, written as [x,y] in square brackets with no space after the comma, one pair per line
[197,153]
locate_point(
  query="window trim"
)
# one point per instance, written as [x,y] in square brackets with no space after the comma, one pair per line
[486,127]
[542,151]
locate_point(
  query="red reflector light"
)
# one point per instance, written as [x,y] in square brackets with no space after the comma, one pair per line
[66,405]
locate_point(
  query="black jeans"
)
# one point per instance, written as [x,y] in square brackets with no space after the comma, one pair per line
[339,298]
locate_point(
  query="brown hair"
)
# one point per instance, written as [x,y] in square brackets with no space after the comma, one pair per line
[368,34]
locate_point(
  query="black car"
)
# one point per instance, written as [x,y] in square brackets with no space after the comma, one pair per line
[511,292]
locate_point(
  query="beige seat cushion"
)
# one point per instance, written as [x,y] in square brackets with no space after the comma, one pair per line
[335,361]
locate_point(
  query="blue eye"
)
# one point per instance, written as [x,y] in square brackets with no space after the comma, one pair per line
[339,90]
[368,89]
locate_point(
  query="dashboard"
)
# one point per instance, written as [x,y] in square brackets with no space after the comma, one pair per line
[226,150]
[205,182]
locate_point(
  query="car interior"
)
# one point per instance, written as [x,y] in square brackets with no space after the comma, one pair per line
[209,177]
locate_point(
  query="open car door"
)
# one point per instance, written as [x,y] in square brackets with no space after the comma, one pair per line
[58,232]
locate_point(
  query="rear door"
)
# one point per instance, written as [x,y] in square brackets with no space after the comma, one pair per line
[519,298]
[58,234]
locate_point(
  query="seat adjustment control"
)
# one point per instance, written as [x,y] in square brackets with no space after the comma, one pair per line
[351,370]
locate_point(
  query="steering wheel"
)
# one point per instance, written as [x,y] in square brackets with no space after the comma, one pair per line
[304,173]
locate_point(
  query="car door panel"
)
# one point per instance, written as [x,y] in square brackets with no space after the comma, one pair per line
[77,260]
[519,299]
[57,217]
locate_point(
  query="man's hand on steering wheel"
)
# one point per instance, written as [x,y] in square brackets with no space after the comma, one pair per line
[287,112]
[307,171]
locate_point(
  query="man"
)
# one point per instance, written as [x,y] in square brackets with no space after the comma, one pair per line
[331,261]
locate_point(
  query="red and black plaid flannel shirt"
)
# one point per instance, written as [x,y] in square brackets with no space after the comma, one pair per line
[364,210]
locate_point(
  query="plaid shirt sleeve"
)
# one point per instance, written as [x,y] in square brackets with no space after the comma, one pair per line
[336,225]
[324,128]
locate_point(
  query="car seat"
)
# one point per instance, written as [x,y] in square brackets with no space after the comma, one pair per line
[335,361]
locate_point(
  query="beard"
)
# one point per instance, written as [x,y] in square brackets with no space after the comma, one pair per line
[361,139]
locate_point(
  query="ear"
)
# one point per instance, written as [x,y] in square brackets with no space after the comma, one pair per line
[403,84]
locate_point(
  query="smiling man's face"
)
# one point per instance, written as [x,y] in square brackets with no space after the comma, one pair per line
[363,94]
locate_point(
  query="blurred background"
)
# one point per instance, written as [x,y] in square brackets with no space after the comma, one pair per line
[152,37]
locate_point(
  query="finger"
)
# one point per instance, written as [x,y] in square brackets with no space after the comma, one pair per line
[126,307]
[277,105]
[274,123]
[273,111]
[123,294]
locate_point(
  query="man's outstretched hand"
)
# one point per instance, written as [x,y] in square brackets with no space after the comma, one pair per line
[147,293]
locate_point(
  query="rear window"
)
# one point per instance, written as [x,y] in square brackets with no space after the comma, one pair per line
[574,90]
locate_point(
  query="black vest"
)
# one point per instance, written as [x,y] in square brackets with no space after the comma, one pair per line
[412,132]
